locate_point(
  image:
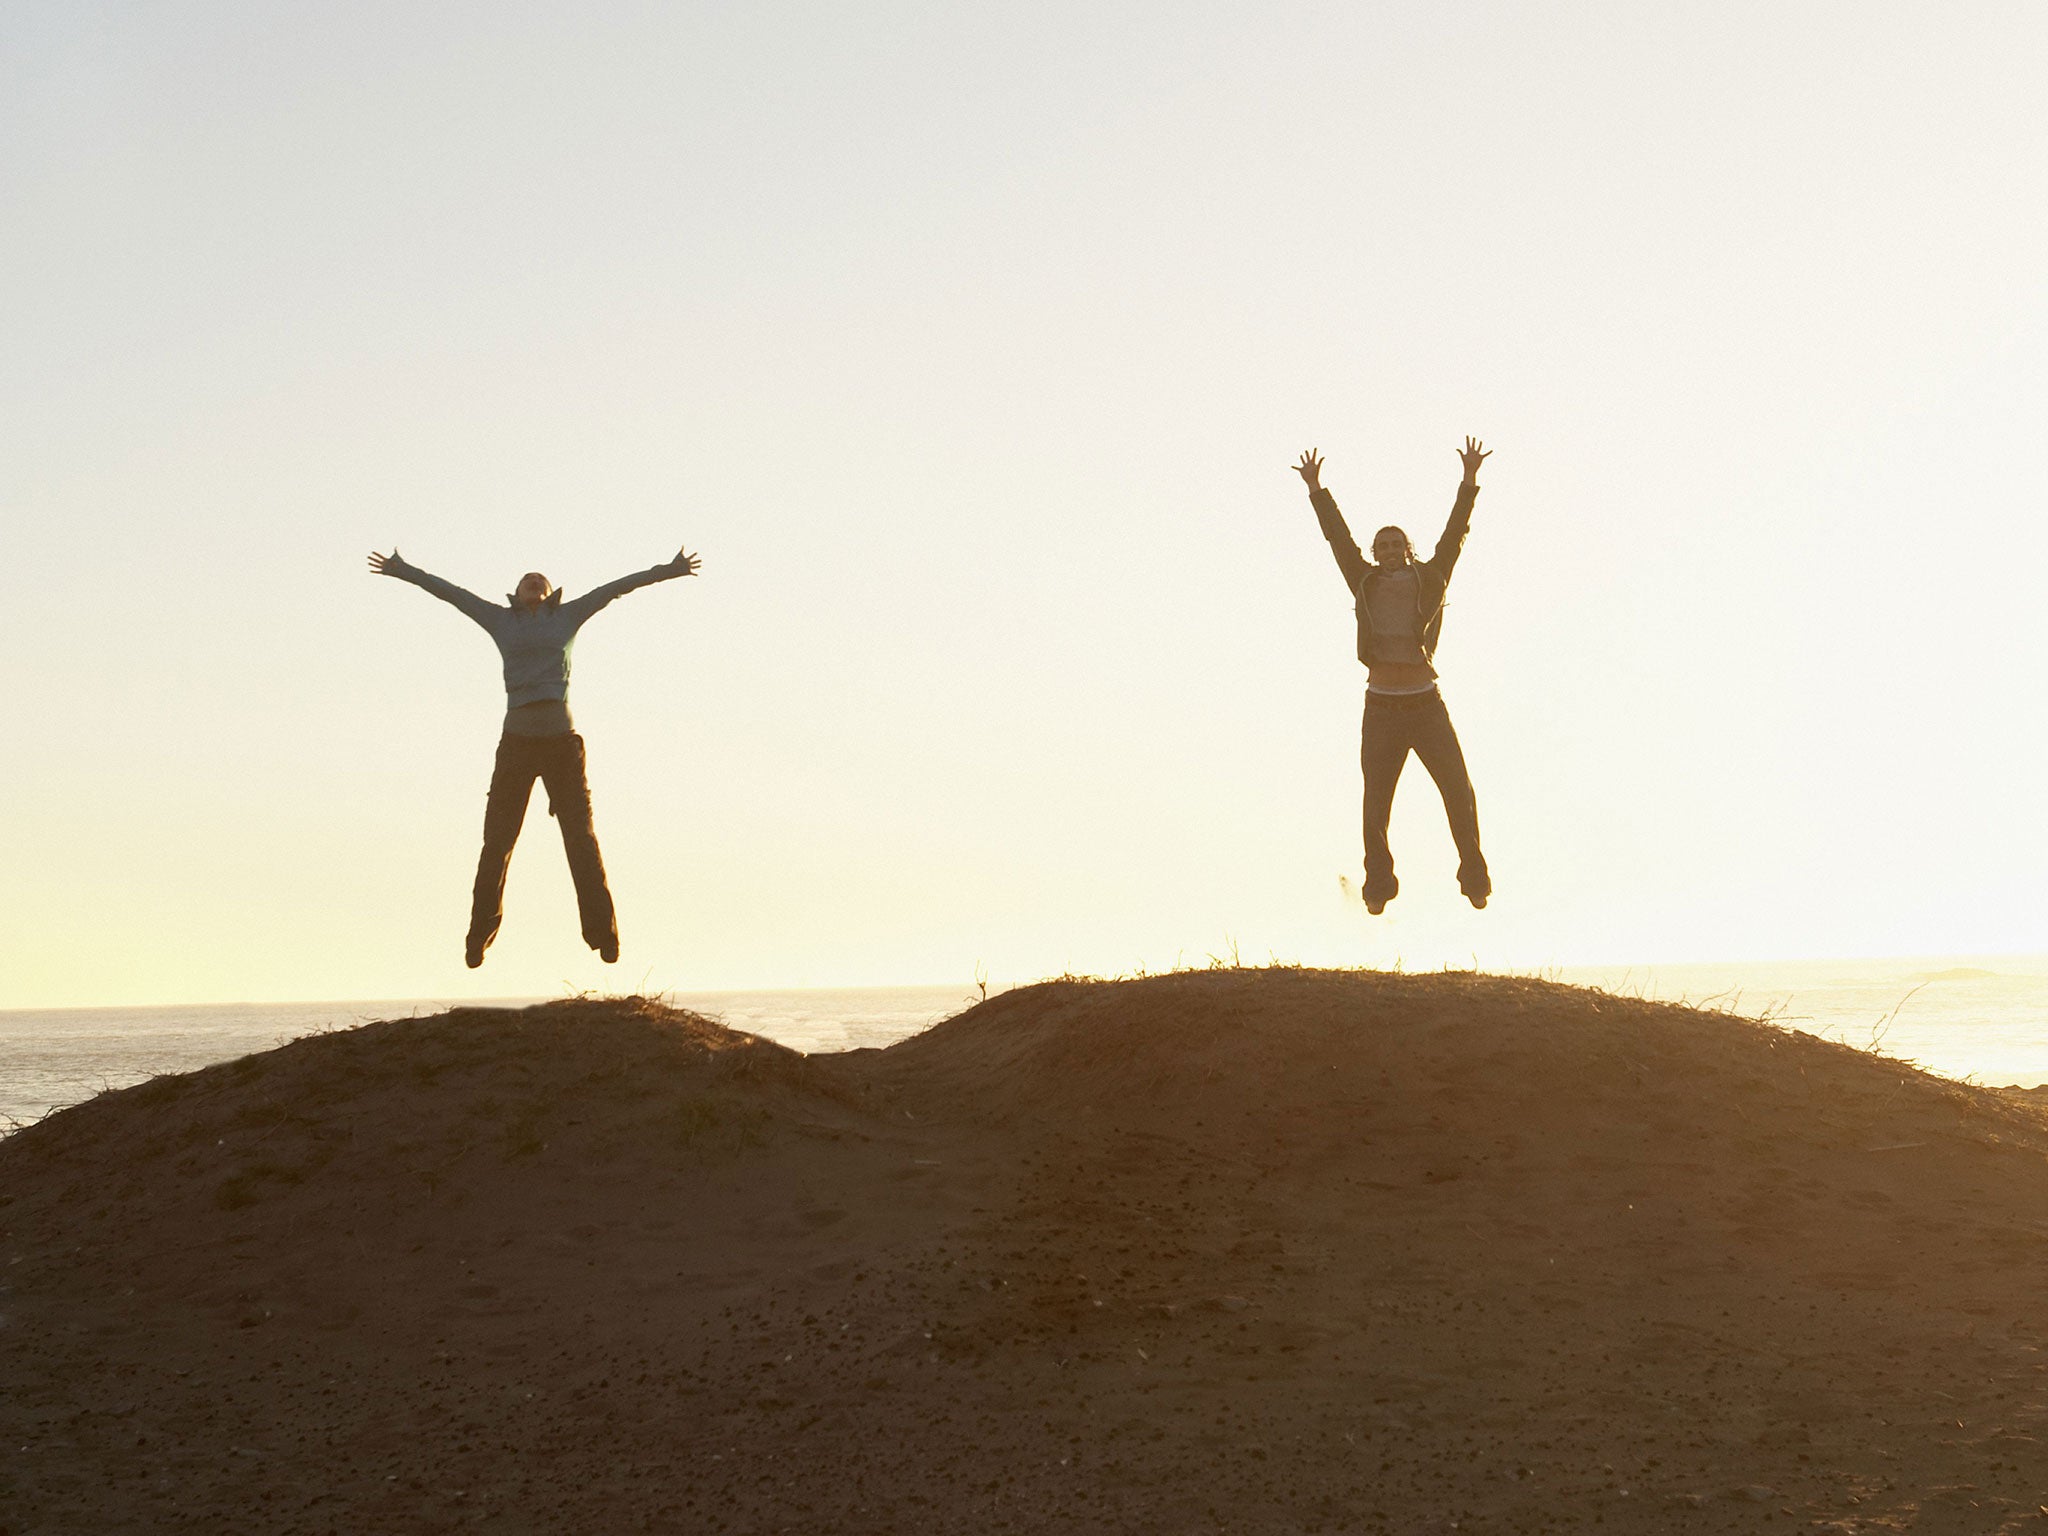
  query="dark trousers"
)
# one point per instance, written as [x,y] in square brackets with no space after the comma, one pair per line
[1395,725]
[557,761]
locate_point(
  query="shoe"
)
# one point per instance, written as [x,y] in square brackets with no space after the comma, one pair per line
[608,951]
[1478,901]
[1375,905]
[472,954]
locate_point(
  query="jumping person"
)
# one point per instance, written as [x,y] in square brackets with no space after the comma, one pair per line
[534,630]
[1400,604]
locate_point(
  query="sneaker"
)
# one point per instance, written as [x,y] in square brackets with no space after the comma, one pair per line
[472,954]
[1375,905]
[1477,899]
[608,951]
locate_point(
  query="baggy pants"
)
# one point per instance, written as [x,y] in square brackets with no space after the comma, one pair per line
[557,761]
[1396,724]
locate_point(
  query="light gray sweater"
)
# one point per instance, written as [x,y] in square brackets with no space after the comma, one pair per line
[534,643]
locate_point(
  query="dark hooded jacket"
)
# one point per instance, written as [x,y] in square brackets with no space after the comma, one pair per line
[1431,575]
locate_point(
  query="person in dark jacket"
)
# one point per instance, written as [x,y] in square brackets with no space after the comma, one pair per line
[1400,606]
[534,630]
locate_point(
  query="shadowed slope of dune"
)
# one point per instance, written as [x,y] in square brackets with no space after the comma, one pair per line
[1251,1250]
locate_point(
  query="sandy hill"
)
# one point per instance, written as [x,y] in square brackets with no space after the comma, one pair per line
[1267,1250]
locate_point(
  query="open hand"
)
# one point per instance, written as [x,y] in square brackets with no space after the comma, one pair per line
[1469,456]
[386,565]
[1311,470]
[684,564]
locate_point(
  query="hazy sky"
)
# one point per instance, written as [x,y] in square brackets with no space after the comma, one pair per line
[970,346]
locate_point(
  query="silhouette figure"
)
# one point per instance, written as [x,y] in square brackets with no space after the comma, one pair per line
[534,630]
[1400,604]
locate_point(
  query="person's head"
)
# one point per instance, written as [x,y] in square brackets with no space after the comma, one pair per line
[1391,549]
[532,591]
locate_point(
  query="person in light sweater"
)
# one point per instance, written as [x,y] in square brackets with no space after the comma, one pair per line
[1400,606]
[534,630]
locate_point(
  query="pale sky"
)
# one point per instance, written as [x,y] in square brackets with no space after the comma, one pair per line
[970,347]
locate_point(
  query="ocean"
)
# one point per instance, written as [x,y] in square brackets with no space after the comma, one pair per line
[1974,1018]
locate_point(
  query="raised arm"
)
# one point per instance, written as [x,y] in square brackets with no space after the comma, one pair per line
[1349,560]
[684,564]
[458,597]
[1460,523]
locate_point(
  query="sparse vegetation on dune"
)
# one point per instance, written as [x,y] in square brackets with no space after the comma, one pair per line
[1278,1249]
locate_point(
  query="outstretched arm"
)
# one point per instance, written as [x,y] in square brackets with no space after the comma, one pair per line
[468,602]
[1349,560]
[684,564]
[1460,523]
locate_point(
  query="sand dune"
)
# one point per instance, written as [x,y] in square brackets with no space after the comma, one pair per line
[1237,1250]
